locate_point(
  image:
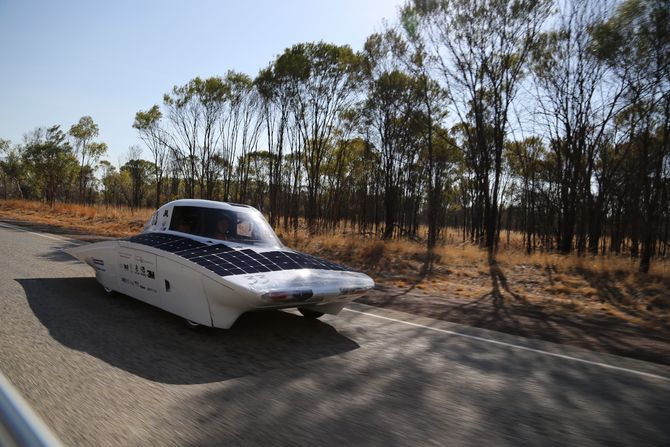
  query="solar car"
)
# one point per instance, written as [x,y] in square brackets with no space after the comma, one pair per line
[209,262]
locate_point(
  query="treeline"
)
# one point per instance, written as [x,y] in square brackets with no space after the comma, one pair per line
[546,118]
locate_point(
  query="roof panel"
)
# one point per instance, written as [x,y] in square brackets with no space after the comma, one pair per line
[225,260]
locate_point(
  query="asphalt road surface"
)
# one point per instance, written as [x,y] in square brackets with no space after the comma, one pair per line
[106,370]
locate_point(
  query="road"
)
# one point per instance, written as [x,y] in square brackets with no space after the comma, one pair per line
[104,370]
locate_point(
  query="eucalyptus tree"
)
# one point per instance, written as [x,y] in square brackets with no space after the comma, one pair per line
[525,160]
[388,113]
[293,175]
[322,79]
[90,180]
[138,175]
[51,162]
[193,112]
[110,178]
[274,90]
[4,147]
[433,107]
[366,181]
[480,48]
[183,116]
[11,167]
[577,100]
[338,181]
[240,126]
[255,171]
[83,133]
[148,125]
[635,43]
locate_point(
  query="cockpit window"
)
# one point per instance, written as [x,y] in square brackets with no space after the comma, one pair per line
[185,219]
[246,225]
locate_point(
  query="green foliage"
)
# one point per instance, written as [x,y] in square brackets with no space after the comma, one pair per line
[147,119]
[83,133]
[51,161]
[525,157]
[84,130]
[12,167]
[320,65]
[135,177]
[97,150]
[636,34]
[210,92]
[410,20]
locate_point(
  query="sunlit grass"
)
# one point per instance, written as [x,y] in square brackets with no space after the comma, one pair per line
[100,220]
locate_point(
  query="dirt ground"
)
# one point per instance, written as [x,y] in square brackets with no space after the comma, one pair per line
[512,303]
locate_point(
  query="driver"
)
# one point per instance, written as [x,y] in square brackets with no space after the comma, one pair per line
[222,229]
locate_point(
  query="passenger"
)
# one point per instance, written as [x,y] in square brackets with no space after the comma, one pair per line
[222,230]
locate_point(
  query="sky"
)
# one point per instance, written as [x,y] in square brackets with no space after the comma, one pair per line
[61,60]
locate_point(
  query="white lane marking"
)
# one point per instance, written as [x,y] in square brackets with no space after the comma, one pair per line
[511,345]
[6,225]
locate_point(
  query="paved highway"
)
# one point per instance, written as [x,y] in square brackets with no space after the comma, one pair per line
[106,370]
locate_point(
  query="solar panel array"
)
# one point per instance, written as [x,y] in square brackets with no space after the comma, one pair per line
[225,261]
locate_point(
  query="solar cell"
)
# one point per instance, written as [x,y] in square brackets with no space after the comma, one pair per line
[225,260]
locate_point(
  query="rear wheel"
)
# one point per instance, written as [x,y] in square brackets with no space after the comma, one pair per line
[311,314]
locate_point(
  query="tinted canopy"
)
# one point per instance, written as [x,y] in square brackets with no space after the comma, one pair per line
[246,225]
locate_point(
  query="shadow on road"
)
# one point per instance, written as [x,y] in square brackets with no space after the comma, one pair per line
[429,389]
[58,254]
[156,345]
[518,316]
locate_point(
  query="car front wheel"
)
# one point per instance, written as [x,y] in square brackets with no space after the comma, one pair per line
[192,324]
[309,313]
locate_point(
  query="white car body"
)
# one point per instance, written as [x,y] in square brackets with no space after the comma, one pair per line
[211,281]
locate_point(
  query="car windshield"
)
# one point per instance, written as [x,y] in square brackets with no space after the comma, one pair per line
[246,225]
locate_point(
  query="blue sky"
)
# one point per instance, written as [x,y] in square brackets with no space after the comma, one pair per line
[60,60]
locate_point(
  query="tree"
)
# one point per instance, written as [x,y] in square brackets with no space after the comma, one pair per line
[240,124]
[433,107]
[322,79]
[149,128]
[525,161]
[274,90]
[388,111]
[138,172]
[51,160]
[111,184]
[83,133]
[572,81]
[635,43]
[11,167]
[480,48]
[193,111]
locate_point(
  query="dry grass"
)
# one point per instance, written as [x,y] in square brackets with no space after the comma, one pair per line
[100,220]
[597,286]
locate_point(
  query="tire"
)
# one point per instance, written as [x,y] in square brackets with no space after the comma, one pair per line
[108,291]
[192,325]
[311,314]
